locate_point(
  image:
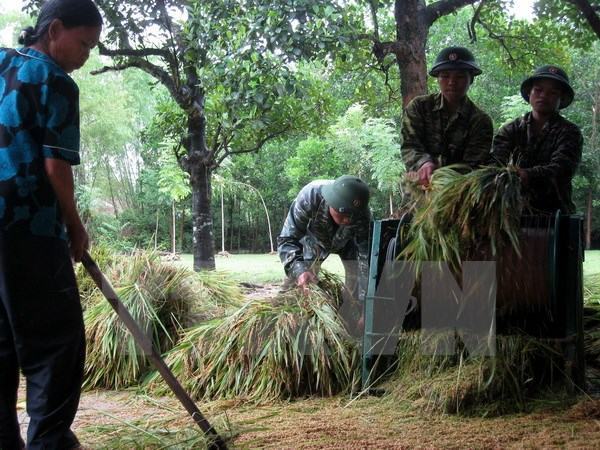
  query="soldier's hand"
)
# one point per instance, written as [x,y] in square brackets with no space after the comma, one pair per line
[304,280]
[425,172]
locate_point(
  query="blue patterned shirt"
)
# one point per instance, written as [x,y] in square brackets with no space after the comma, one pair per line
[39,119]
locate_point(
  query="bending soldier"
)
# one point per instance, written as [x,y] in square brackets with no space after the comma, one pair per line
[327,217]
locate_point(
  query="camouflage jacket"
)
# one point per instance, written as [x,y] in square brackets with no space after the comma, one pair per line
[309,235]
[549,159]
[428,134]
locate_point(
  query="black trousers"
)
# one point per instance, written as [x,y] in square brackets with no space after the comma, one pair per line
[42,335]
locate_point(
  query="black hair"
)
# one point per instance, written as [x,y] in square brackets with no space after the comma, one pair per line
[72,13]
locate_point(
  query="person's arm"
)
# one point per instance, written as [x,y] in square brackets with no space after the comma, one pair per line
[563,162]
[60,175]
[61,151]
[504,145]
[289,247]
[414,153]
[478,147]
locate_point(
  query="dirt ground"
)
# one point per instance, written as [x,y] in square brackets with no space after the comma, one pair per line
[107,420]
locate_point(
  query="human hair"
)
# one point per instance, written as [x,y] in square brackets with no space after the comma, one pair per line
[72,13]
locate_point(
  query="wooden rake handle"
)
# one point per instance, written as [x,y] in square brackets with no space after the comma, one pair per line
[145,344]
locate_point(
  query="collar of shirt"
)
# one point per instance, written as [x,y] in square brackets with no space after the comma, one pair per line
[35,54]
[462,109]
[527,119]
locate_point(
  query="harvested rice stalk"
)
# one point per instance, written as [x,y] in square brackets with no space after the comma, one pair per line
[591,333]
[461,207]
[105,258]
[293,345]
[162,299]
[591,289]
[523,368]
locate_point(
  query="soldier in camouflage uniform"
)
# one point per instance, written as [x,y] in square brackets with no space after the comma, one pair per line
[544,146]
[327,217]
[446,128]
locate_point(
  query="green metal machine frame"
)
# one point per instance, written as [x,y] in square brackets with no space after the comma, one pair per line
[565,279]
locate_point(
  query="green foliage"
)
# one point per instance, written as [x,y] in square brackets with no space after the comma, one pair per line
[513,106]
[355,144]
[567,21]
[172,180]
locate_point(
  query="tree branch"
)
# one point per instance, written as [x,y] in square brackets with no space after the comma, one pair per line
[138,53]
[474,20]
[152,69]
[256,148]
[373,6]
[589,13]
[443,8]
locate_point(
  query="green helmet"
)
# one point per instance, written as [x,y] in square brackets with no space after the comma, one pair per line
[347,194]
[455,58]
[552,73]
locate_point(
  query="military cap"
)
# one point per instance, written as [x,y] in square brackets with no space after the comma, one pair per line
[347,194]
[455,58]
[552,73]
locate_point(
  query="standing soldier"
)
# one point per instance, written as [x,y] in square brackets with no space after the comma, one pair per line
[327,217]
[446,128]
[544,146]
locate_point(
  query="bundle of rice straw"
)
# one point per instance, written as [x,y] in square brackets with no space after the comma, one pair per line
[458,209]
[162,299]
[523,368]
[105,258]
[290,346]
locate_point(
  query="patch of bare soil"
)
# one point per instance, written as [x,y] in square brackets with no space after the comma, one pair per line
[368,423]
[259,291]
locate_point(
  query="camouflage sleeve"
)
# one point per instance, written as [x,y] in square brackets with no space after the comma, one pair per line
[479,145]
[504,145]
[413,150]
[289,247]
[564,160]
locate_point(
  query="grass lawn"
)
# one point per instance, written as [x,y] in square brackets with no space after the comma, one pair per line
[264,268]
[592,262]
[259,268]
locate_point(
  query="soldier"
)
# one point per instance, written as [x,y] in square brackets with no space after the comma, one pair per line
[327,217]
[544,146]
[446,128]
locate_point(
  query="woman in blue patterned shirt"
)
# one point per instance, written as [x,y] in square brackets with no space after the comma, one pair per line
[41,324]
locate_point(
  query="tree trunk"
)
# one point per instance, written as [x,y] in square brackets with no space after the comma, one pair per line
[588,218]
[173,229]
[110,188]
[199,163]
[156,233]
[181,229]
[231,206]
[239,234]
[412,29]
[202,231]
[222,220]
